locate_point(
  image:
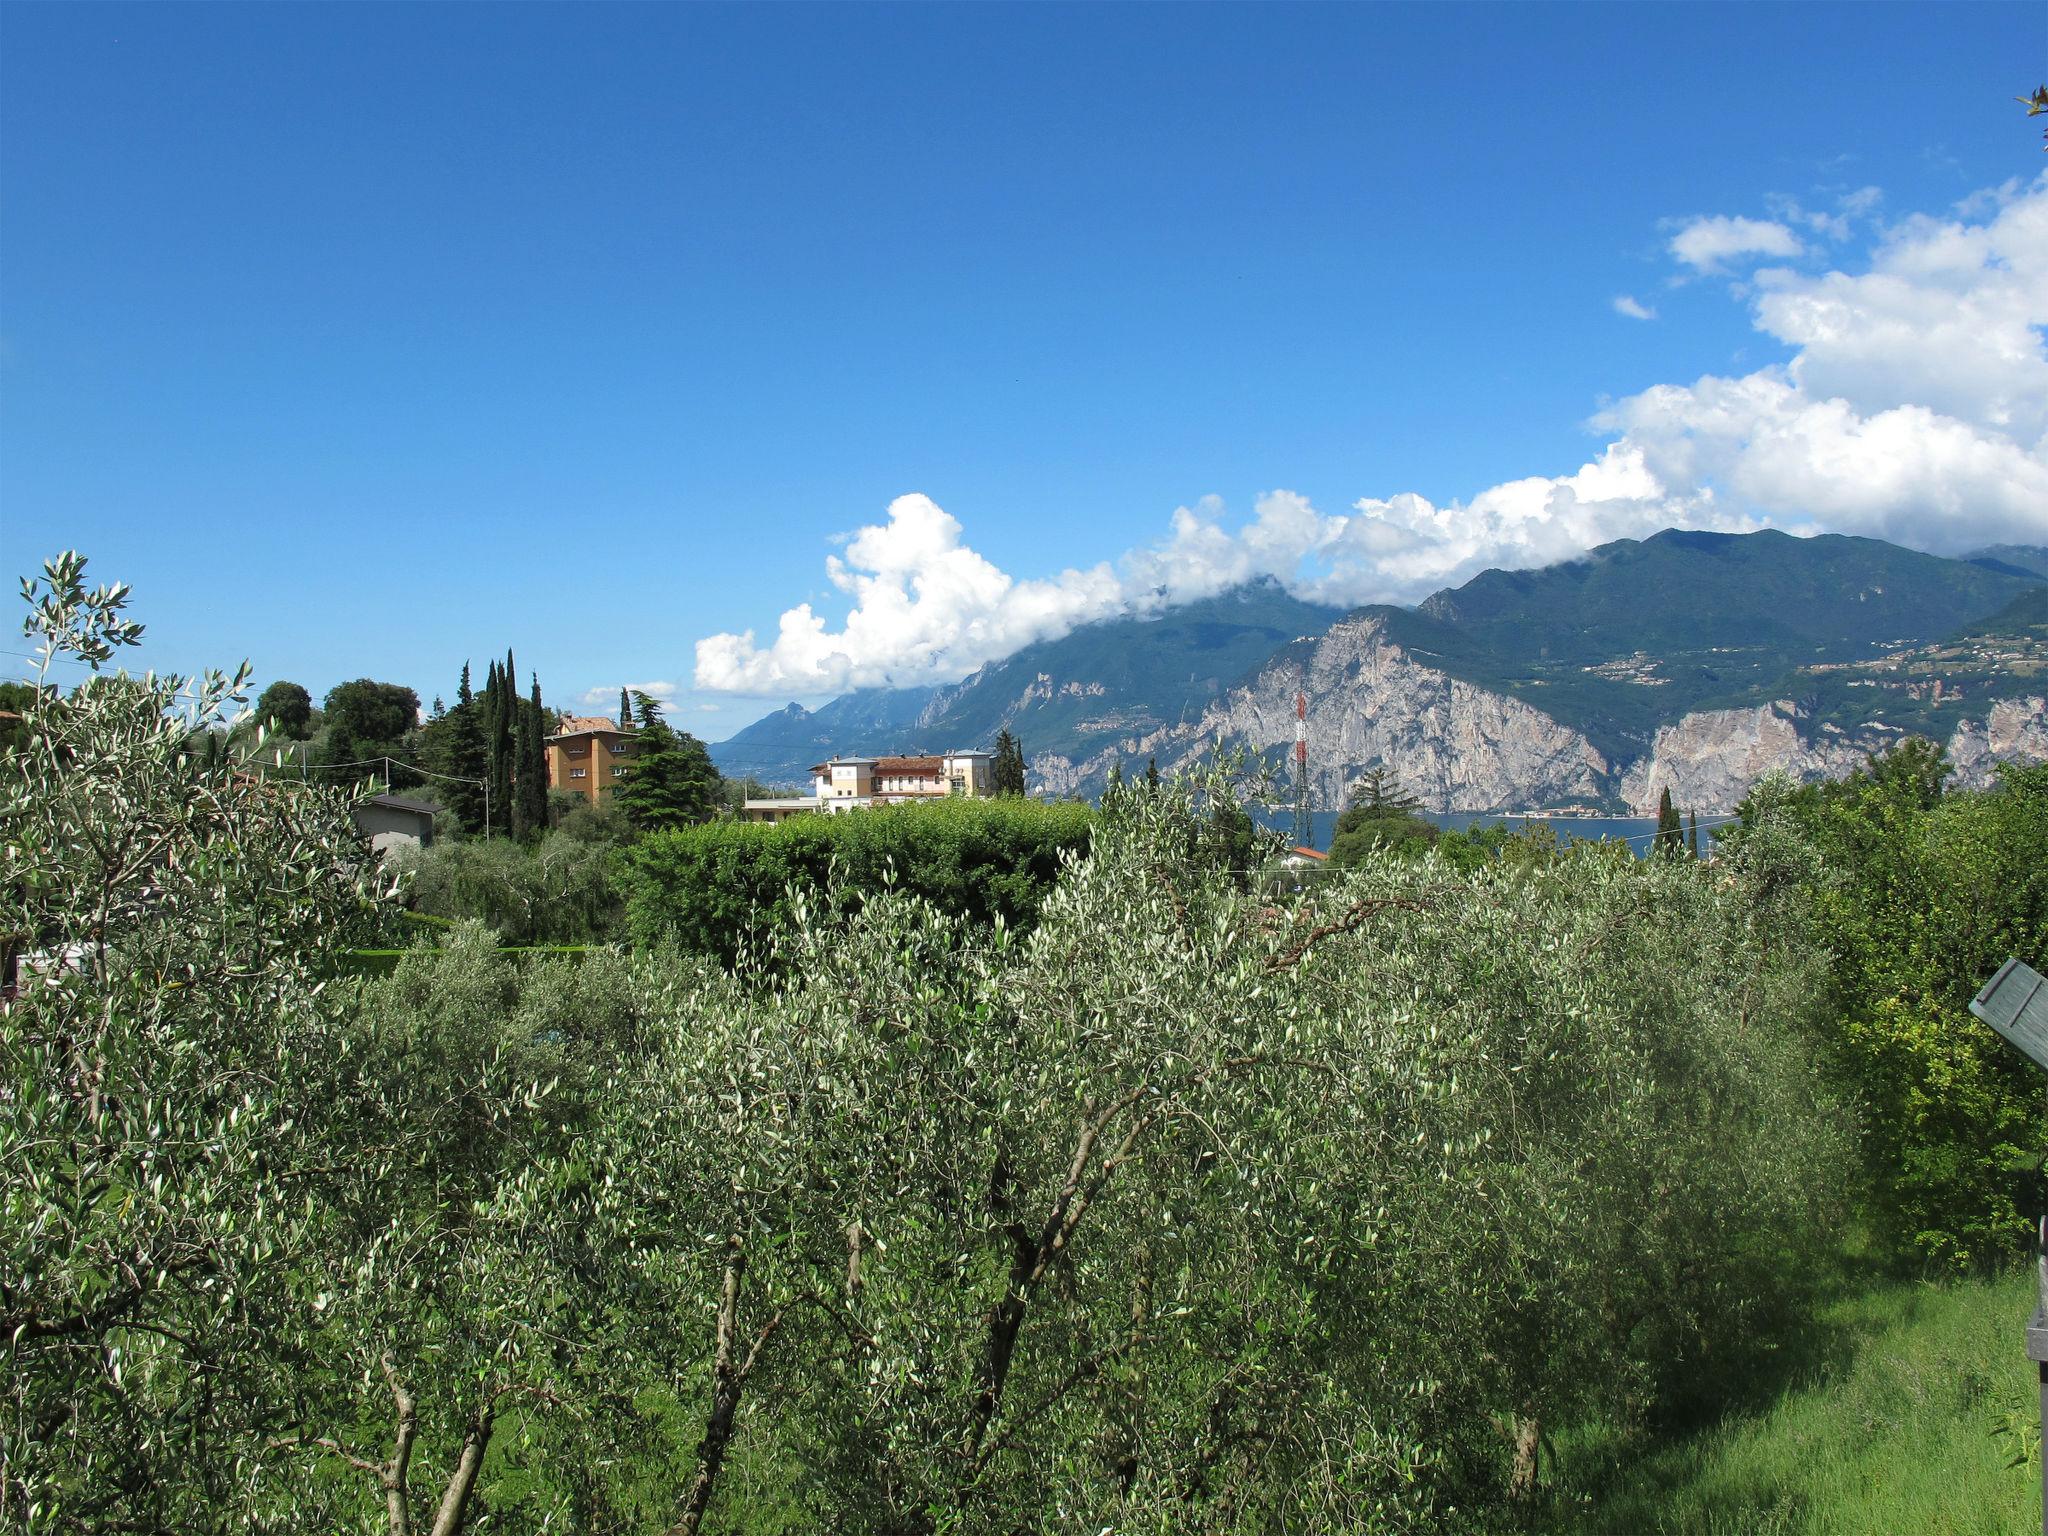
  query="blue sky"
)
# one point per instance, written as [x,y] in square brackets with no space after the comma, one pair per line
[361,339]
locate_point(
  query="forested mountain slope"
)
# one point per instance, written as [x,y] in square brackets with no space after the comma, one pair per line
[1698,660]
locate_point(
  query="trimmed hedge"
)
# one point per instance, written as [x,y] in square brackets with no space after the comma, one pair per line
[717,887]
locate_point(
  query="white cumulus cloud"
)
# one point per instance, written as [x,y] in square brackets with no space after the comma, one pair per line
[924,606]
[1708,243]
[1627,304]
[1912,405]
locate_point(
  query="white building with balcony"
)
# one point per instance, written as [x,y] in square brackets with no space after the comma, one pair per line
[852,783]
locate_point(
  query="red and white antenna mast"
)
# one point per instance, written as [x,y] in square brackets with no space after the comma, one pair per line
[1304,827]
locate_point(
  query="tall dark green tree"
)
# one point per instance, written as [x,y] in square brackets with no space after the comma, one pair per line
[1670,839]
[672,781]
[15,699]
[367,721]
[1380,814]
[454,748]
[499,702]
[1379,794]
[625,711]
[531,793]
[1006,775]
[286,708]
[1692,833]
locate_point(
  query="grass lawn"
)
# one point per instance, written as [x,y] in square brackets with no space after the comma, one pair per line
[1887,1425]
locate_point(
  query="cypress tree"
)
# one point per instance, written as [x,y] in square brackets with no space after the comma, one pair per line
[1670,838]
[499,700]
[1006,774]
[533,764]
[625,710]
[1693,832]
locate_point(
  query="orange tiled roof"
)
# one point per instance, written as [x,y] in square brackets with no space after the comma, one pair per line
[910,767]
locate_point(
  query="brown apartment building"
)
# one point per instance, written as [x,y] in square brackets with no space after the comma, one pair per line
[589,755]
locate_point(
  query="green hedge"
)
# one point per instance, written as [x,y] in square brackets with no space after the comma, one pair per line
[382,962]
[719,886]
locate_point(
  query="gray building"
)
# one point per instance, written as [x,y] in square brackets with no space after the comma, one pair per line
[393,821]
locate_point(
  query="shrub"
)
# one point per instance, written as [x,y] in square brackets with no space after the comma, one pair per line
[1916,896]
[728,886]
[556,891]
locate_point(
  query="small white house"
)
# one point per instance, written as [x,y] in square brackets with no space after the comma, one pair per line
[850,783]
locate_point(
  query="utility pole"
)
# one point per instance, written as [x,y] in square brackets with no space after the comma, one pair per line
[1304,825]
[2015,1003]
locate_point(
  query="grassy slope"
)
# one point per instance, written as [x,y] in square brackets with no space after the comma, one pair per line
[1886,1426]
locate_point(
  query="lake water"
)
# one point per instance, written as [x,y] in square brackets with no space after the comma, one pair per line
[1638,830]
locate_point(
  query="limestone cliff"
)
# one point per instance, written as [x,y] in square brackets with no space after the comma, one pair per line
[1455,746]
[2014,731]
[1709,759]
[1460,747]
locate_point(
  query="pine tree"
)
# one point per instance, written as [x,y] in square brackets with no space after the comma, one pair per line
[1378,795]
[456,750]
[672,781]
[1379,815]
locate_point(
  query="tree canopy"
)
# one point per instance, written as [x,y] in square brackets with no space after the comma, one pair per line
[366,719]
[1379,816]
[671,780]
[286,708]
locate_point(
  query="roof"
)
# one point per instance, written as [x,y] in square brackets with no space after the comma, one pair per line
[402,803]
[589,725]
[924,765]
[1308,853]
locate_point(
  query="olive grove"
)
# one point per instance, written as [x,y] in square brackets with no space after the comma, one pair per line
[1185,1210]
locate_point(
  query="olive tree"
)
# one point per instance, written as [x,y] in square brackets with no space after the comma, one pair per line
[168,928]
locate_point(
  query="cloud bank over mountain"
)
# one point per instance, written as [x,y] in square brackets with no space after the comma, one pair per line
[1913,407]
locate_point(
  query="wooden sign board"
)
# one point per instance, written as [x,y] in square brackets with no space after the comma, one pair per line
[2015,1003]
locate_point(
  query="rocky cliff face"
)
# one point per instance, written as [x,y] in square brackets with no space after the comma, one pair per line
[1709,760]
[1454,746]
[1464,748]
[2015,731]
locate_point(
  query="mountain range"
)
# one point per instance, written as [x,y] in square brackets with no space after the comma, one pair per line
[1694,661]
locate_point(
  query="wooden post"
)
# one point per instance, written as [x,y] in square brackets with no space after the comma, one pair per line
[2037,1351]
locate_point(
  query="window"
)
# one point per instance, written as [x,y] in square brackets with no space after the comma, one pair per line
[579,773]
[582,751]
[618,773]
